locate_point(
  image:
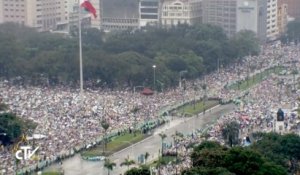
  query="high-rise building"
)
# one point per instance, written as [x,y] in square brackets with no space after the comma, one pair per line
[233,16]
[221,13]
[149,12]
[293,7]
[272,19]
[282,18]
[252,15]
[174,12]
[43,15]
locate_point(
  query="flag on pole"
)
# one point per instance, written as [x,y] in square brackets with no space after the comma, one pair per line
[87,5]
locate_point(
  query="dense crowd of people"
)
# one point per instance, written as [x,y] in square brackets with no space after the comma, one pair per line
[70,120]
[257,109]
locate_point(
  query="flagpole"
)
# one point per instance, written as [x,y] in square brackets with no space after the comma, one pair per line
[80,49]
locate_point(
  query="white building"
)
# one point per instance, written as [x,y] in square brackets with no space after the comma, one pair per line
[252,15]
[272,19]
[43,15]
[174,12]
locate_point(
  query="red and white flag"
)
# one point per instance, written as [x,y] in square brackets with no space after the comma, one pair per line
[86,4]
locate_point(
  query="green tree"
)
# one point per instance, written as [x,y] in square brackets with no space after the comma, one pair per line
[127,162]
[208,154]
[212,158]
[207,171]
[294,73]
[245,43]
[109,165]
[134,111]
[163,137]
[293,30]
[230,133]
[118,59]
[143,170]
[11,128]
[146,156]
[105,126]
[3,107]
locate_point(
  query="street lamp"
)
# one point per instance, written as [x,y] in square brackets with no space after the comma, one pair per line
[181,73]
[154,67]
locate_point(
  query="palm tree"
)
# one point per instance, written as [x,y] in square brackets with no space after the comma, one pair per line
[146,156]
[294,72]
[127,162]
[177,136]
[109,165]
[162,136]
[231,133]
[105,126]
[134,111]
[204,87]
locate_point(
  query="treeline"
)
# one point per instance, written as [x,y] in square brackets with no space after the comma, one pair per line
[270,154]
[119,59]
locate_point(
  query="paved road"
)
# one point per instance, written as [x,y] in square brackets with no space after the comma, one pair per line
[152,145]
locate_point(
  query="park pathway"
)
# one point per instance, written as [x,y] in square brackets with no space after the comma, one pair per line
[76,166]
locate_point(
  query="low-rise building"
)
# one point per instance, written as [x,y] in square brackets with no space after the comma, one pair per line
[176,12]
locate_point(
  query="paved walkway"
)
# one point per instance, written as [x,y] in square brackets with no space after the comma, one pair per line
[152,145]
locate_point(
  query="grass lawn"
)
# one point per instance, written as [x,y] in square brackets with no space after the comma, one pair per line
[255,79]
[116,144]
[199,107]
[52,173]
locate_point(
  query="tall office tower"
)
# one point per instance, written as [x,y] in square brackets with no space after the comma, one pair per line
[221,13]
[293,7]
[176,12]
[272,19]
[149,12]
[282,18]
[252,15]
[44,15]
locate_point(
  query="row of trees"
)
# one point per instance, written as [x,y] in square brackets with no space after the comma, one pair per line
[143,170]
[271,154]
[119,58]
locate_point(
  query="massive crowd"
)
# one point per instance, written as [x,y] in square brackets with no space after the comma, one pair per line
[258,108]
[69,120]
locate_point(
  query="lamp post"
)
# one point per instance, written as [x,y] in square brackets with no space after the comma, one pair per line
[154,67]
[181,73]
